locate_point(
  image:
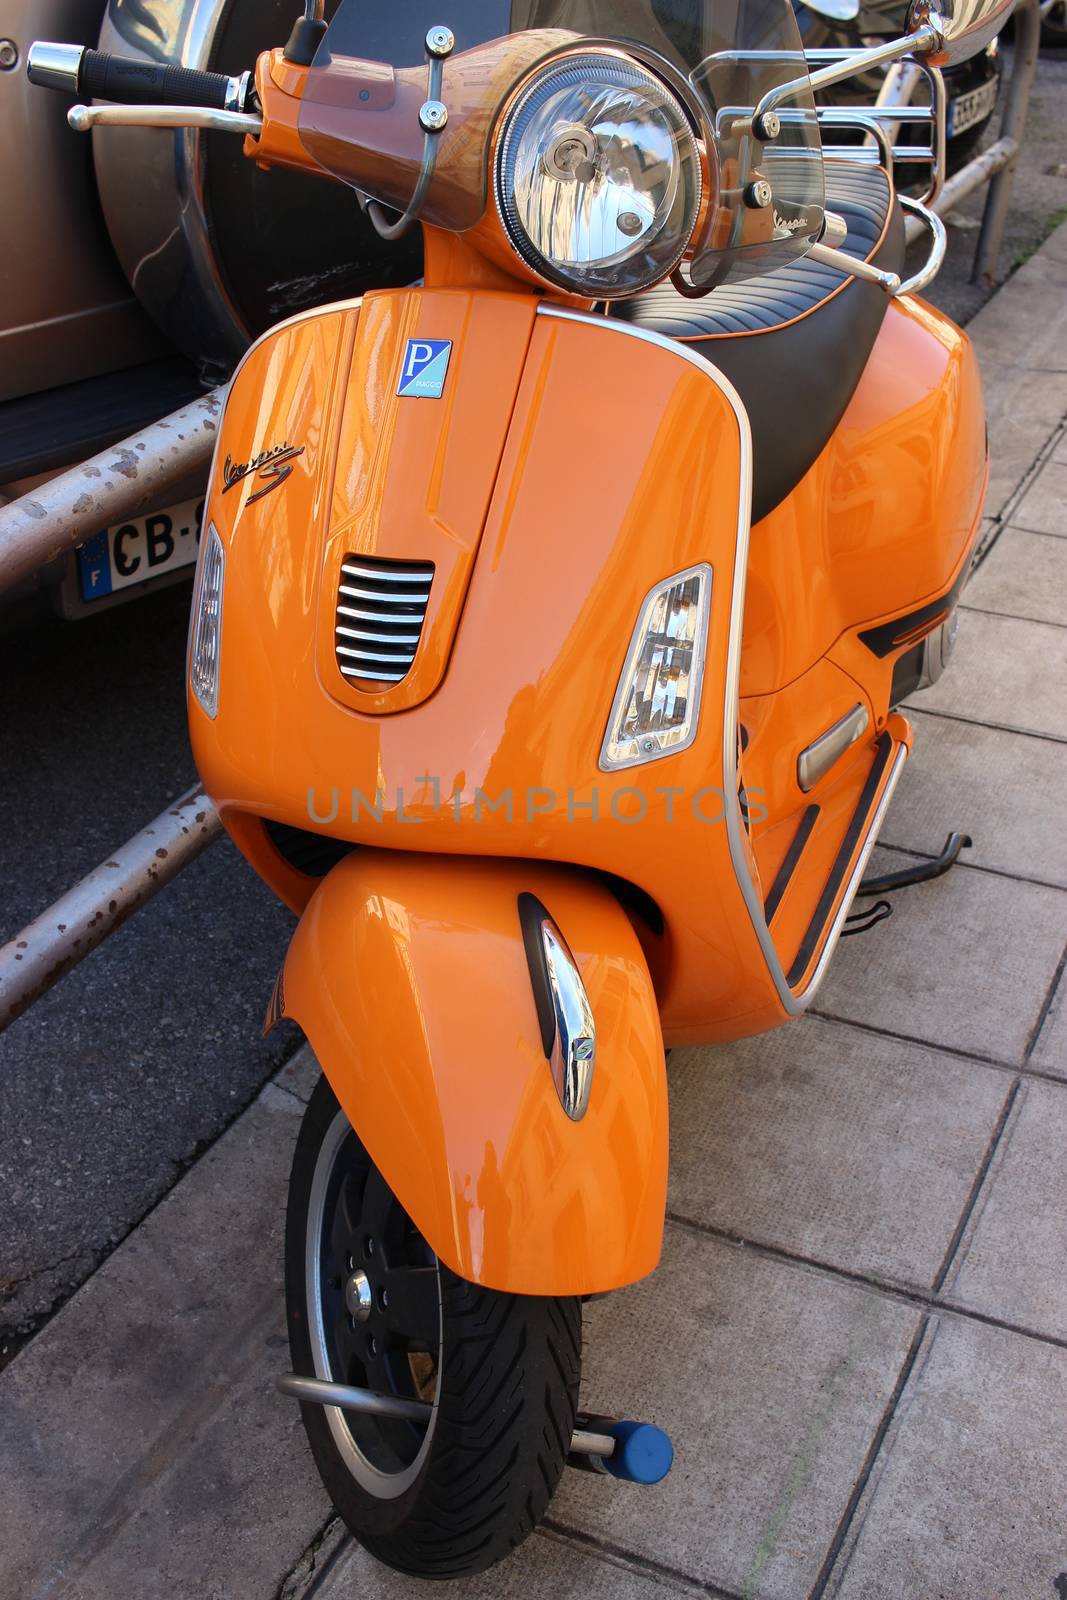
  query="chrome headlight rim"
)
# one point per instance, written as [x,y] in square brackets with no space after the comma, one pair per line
[666,97]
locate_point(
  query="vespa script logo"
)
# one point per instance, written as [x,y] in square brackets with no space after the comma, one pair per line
[274,465]
[790,224]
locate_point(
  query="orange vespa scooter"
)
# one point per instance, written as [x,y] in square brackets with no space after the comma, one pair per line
[548,624]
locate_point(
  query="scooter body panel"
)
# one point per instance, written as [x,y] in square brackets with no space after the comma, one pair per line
[409,976]
[604,461]
[886,515]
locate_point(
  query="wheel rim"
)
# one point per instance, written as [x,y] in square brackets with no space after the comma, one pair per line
[374,1311]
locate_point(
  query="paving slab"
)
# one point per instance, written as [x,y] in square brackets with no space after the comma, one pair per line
[1024,575]
[833,1144]
[1004,671]
[545,1565]
[1020,337]
[1059,449]
[967,1501]
[1025,325]
[771,1380]
[1044,505]
[1011,1263]
[1024,407]
[965,962]
[145,1451]
[1004,789]
[1050,1050]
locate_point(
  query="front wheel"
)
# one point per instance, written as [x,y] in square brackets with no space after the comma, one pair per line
[370,1305]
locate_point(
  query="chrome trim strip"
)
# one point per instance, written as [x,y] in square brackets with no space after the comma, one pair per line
[792,1003]
[805,996]
[352,569]
[370,616]
[821,754]
[378,638]
[372,676]
[405,599]
[396,660]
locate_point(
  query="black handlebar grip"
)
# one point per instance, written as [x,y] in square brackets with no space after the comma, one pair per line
[147,83]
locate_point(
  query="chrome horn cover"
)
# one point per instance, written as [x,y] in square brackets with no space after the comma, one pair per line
[565,1017]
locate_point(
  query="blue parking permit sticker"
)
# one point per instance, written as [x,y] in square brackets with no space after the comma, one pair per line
[94,564]
[425,368]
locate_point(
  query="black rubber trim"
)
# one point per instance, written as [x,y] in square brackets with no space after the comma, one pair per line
[130,82]
[788,866]
[304,41]
[531,915]
[64,426]
[909,629]
[907,674]
[840,866]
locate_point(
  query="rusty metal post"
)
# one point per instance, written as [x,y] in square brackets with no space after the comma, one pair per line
[115,485]
[65,934]
[1012,129]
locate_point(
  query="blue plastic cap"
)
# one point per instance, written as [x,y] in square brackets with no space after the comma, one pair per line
[643,1452]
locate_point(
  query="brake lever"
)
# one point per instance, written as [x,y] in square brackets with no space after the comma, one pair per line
[84,118]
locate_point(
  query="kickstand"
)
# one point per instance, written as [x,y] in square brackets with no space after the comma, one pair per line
[921,872]
[869,917]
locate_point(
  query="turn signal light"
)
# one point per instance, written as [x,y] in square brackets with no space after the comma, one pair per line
[657,703]
[206,633]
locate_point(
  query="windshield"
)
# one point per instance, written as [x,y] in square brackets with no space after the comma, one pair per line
[372,76]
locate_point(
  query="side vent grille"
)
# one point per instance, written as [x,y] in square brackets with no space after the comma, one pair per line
[381,608]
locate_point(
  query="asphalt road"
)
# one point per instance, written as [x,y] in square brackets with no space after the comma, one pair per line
[121,1076]
[125,1071]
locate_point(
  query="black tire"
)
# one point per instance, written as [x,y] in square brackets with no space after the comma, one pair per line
[1054,29]
[478,1479]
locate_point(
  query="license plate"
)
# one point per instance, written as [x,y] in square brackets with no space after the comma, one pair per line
[974,106]
[139,550]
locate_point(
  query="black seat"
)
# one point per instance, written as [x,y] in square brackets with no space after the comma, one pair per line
[795,341]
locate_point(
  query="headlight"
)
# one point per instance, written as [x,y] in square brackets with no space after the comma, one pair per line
[598,176]
[657,703]
[205,636]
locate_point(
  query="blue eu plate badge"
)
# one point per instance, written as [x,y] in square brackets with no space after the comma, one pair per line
[425,368]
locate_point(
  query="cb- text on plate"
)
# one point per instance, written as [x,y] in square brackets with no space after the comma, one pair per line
[139,550]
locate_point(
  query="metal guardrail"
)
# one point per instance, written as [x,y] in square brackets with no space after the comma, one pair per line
[112,487]
[996,166]
[65,934]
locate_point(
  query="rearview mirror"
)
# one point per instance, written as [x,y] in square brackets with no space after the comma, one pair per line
[965,26]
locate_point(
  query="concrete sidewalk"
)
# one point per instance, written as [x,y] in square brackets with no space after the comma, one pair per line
[858,1336]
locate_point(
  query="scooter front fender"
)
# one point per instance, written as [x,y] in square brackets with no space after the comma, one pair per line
[409,976]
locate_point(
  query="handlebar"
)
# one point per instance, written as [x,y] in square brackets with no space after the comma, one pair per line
[98,75]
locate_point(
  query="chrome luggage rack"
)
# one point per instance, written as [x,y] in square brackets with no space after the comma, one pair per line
[882,123]
[884,118]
